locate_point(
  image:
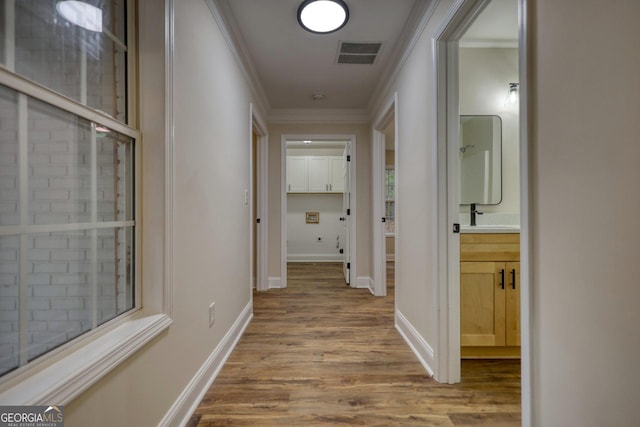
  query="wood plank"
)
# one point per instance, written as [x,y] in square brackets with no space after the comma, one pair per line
[322,353]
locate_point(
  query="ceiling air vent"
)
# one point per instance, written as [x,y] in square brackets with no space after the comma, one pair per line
[358,53]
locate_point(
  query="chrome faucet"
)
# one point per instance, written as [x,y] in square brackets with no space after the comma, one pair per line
[474,212]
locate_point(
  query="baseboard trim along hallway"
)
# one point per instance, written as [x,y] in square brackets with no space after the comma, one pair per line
[187,402]
[418,345]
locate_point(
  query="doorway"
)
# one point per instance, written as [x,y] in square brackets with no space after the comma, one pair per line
[449,42]
[384,180]
[318,206]
[256,198]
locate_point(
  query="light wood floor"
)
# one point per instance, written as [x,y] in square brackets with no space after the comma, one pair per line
[321,353]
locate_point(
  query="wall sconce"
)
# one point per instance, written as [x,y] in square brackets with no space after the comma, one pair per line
[512,94]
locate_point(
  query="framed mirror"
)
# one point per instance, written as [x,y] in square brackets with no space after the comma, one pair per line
[480,160]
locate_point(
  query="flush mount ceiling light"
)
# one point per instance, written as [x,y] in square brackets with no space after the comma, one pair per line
[323,16]
[81,14]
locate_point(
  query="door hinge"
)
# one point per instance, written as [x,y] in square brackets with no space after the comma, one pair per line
[456,228]
[348,266]
[348,158]
[258,221]
[341,251]
[348,211]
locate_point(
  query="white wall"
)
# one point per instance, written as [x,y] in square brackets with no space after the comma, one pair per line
[585,212]
[211,221]
[303,243]
[416,256]
[485,74]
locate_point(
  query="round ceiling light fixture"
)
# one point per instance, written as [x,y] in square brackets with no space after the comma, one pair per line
[81,14]
[323,16]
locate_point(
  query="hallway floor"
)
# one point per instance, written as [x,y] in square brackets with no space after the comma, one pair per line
[321,353]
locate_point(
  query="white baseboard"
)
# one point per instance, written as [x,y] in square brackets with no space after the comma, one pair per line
[274,283]
[314,258]
[365,282]
[391,257]
[418,345]
[188,401]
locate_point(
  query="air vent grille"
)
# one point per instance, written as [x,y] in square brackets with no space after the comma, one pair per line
[358,53]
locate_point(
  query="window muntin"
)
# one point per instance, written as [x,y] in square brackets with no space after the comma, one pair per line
[66,227]
[87,66]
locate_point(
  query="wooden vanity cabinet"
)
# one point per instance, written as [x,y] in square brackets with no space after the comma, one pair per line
[490,295]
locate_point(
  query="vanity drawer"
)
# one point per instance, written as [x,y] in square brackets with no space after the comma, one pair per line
[490,247]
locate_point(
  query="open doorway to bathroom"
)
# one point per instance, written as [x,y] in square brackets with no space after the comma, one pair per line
[481,62]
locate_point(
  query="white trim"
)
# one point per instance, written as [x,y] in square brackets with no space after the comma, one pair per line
[274,283]
[365,282]
[62,381]
[418,345]
[258,126]
[167,291]
[526,245]
[190,398]
[318,115]
[391,257]
[8,230]
[389,113]
[223,15]
[314,258]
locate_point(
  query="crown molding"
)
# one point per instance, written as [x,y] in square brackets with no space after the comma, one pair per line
[420,15]
[222,14]
[319,115]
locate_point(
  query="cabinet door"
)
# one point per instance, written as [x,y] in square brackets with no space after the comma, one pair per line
[297,174]
[318,174]
[482,303]
[513,303]
[336,167]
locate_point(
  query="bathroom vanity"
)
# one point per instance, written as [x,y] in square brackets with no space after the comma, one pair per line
[490,292]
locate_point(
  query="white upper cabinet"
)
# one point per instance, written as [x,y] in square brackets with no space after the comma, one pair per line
[318,174]
[315,174]
[337,171]
[297,174]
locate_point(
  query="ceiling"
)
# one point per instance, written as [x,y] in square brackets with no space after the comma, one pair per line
[292,64]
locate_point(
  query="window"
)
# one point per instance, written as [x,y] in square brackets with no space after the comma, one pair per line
[389,199]
[67,217]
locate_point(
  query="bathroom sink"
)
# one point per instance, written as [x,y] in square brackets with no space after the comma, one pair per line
[490,229]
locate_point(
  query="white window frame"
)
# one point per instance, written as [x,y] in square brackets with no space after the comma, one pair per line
[62,374]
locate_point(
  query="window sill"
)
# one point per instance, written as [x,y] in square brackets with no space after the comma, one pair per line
[64,380]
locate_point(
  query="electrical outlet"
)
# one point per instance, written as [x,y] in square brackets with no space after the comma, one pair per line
[212,314]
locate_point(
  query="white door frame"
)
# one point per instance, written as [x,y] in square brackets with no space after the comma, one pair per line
[389,113]
[460,16]
[258,125]
[350,139]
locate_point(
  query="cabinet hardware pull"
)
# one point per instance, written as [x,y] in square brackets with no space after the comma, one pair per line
[513,278]
[502,278]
